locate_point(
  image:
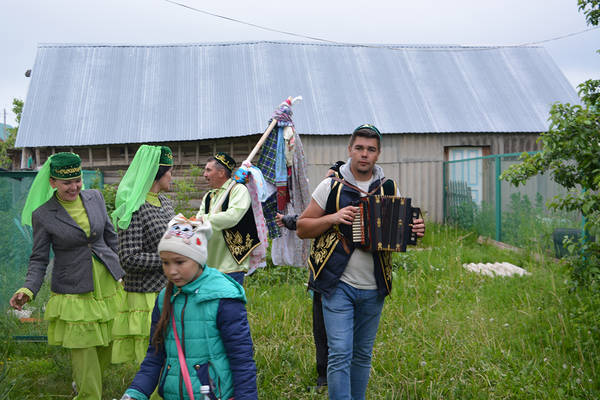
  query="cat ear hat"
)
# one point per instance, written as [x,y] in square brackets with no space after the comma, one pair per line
[188,237]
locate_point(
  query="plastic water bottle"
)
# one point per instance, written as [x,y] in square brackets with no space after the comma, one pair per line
[205,391]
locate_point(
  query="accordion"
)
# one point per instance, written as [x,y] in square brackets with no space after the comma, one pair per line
[384,223]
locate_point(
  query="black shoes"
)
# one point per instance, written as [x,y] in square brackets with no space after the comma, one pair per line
[321,386]
[321,381]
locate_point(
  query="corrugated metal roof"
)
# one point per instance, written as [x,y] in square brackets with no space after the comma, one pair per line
[99,94]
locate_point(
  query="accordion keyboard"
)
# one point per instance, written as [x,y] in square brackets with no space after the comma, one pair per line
[359,234]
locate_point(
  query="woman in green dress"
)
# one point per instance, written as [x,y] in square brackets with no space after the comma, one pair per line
[141,216]
[85,287]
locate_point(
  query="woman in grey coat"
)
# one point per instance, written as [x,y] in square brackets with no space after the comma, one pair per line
[85,279]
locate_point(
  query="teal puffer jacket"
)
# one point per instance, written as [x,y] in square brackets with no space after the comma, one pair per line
[195,307]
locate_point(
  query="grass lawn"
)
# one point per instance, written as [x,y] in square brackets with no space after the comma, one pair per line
[445,333]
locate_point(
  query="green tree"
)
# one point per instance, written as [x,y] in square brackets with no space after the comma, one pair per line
[591,10]
[571,153]
[9,143]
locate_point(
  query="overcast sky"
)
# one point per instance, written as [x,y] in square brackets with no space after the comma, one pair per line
[26,23]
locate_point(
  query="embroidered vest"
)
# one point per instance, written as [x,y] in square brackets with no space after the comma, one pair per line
[243,237]
[332,250]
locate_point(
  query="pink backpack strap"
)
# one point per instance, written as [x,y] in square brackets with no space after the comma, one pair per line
[182,363]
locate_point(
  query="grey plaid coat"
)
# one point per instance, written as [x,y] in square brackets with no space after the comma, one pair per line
[138,247]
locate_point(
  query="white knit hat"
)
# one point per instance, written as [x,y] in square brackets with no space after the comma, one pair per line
[188,237]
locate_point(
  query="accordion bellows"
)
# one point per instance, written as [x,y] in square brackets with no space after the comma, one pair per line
[384,223]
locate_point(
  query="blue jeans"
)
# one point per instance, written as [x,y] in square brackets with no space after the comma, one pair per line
[351,320]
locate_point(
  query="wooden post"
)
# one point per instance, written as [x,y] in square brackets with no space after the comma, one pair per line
[23,163]
[262,139]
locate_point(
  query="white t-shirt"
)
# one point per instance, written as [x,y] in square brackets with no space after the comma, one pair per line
[359,272]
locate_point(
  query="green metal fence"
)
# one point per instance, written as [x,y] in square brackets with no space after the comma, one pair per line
[16,239]
[515,215]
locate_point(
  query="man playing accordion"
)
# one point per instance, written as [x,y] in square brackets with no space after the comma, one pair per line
[353,282]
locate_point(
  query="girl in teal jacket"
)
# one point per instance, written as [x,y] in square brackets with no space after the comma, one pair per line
[209,312]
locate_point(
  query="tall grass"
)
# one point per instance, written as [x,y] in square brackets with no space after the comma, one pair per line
[445,333]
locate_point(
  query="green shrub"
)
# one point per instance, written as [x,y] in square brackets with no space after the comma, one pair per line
[186,189]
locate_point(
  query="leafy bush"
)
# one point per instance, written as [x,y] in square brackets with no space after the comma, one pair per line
[9,143]
[110,194]
[571,153]
[186,190]
[109,191]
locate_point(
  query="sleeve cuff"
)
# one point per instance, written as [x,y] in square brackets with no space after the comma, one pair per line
[136,394]
[290,221]
[27,292]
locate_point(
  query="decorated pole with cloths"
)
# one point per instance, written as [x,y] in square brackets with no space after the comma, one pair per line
[282,165]
[278,183]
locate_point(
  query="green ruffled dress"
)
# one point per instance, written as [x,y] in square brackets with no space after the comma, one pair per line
[131,329]
[84,320]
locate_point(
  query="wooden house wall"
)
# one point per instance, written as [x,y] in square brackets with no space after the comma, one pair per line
[414,160]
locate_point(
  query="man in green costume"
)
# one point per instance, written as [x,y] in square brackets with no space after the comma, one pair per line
[227,206]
